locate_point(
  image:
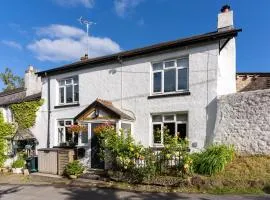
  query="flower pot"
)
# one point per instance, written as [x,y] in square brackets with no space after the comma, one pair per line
[17,170]
[72,176]
[25,172]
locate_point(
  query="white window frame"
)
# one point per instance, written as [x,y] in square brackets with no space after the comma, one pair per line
[64,129]
[64,87]
[168,121]
[176,74]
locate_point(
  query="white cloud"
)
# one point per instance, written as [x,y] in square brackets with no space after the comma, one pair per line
[12,44]
[85,3]
[59,31]
[123,6]
[67,43]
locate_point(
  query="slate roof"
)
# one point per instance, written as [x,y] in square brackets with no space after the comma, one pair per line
[16,96]
[107,105]
[139,52]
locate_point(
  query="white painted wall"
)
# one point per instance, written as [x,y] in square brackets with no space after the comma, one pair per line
[132,84]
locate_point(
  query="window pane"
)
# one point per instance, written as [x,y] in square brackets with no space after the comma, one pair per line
[84,134]
[157,66]
[62,82]
[69,81]
[60,135]
[126,128]
[62,95]
[157,82]
[181,117]
[168,117]
[182,79]
[169,80]
[61,123]
[157,118]
[69,94]
[182,62]
[76,93]
[157,133]
[68,135]
[169,64]
[182,130]
[171,128]
[68,123]
[75,80]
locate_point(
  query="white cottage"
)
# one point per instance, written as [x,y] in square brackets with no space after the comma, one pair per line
[173,84]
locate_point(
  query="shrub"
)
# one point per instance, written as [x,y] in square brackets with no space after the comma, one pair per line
[74,168]
[19,163]
[175,150]
[213,159]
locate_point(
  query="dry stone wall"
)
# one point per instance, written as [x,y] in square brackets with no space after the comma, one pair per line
[243,119]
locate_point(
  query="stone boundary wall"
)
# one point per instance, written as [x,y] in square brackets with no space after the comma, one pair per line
[243,119]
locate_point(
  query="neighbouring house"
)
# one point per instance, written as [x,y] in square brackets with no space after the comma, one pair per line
[173,84]
[30,92]
[249,81]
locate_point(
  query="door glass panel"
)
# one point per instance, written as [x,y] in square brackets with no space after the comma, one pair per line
[84,135]
[169,80]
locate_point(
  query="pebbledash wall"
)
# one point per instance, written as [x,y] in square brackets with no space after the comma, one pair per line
[243,119]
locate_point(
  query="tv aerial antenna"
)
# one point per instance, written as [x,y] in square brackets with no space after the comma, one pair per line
[87,23]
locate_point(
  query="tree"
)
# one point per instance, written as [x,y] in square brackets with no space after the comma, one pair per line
[10,80]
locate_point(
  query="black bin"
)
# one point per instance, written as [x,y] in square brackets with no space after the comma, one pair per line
[32,164]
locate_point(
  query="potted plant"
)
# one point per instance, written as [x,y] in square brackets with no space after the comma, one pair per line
[74,169]
[17,166]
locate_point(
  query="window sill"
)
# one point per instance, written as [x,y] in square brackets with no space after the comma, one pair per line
[67,105]
[169,95]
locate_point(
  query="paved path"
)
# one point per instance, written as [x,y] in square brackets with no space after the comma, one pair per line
[31,192]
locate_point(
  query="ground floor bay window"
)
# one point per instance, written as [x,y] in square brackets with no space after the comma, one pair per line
[175,123]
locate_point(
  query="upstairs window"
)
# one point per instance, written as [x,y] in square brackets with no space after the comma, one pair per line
[170,76]
[69,90]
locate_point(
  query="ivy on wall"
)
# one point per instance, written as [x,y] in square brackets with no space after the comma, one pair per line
[6,130]
[25,113]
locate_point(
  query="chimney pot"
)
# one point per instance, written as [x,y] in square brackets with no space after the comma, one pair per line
[225,8]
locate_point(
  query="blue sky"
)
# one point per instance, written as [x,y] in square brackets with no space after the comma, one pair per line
[46,33]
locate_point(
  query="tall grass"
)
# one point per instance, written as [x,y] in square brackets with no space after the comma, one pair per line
[213,159]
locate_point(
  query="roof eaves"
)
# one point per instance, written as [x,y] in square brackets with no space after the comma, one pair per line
[211,36]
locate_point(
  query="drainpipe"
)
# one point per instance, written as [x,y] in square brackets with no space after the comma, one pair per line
[49,111]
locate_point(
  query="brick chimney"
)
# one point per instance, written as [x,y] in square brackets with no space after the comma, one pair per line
[32,82]
[225,18]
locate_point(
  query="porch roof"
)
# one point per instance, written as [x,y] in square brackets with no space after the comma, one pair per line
[106,106]
[23,134]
